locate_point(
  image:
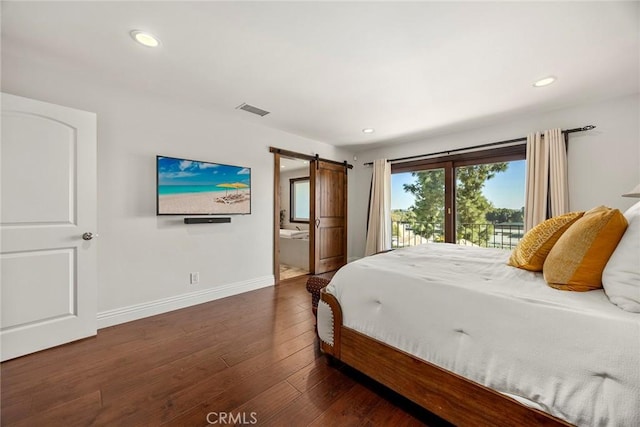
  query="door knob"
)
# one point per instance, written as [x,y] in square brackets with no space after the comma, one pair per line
[88,236]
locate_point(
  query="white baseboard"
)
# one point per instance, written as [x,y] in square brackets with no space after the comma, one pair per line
[139,311]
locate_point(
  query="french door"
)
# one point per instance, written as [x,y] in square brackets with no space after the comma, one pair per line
[449,204]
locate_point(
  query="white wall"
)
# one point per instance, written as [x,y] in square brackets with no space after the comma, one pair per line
[285,194]
[142,258]
[603,163]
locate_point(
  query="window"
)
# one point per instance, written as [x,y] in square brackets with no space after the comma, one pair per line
[417,219]
[299,196]
[472,199]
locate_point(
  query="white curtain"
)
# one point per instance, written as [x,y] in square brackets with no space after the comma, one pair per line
[379,225]
[558,178]
[546,193]
[536,195]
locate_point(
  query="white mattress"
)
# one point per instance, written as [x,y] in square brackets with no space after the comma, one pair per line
[572,354]
[294,234]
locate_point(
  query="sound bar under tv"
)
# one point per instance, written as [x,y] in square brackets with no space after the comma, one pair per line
[205,220]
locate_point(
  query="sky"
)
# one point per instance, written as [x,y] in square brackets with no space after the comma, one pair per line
[188,172]
[504,190]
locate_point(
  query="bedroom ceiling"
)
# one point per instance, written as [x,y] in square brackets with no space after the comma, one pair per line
[327,71]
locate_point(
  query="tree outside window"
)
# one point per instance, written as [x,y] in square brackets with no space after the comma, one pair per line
[486,203]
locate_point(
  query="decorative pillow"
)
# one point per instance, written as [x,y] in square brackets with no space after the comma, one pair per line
[621,276]
[534,247]
[576,261]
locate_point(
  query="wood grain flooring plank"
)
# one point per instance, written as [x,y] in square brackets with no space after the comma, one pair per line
[351,410]
[168,403]
[267,342]
[311,404]
[76,412]
[232,389]
[310,375]
[62,385]
[270,402]
[69,380]
[133,334]
[188,370]
[254,352]
[173,347]
[386,414]
[243,391]
[263,406]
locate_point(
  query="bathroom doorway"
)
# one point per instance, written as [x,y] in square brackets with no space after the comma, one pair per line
[326,221]
[294,217]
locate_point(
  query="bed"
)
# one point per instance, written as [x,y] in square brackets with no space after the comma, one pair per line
[478,342]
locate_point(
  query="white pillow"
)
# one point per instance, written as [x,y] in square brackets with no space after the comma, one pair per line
[621,276]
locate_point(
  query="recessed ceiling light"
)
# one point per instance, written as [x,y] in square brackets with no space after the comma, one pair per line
[145,39]
[544,82]
[368,130]
[282,166]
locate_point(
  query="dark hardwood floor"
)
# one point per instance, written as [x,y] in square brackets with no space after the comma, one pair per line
[254,356]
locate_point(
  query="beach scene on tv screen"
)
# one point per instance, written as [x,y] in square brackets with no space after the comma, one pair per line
[191,188]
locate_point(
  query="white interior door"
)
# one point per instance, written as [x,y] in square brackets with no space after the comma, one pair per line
[48,201]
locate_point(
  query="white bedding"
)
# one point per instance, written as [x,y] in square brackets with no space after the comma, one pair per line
[572,354]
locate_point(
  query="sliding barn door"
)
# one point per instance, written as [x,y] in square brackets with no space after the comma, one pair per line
[49,273]
[328,219]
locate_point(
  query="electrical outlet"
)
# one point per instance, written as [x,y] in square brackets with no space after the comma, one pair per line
[194,278]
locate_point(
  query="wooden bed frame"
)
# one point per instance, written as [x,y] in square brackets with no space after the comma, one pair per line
[446,394]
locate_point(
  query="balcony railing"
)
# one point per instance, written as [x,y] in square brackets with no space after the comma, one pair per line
[503,236]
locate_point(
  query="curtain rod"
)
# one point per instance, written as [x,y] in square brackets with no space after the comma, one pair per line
[491,144]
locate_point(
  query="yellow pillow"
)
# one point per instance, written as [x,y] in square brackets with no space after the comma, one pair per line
[534,247]
[578,258]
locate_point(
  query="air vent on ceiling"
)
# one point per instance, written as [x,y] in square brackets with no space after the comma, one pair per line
[252,109]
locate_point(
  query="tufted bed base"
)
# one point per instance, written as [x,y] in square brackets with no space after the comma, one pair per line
[446,394]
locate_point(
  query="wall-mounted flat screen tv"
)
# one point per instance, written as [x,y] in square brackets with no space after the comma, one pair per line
[191,187]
